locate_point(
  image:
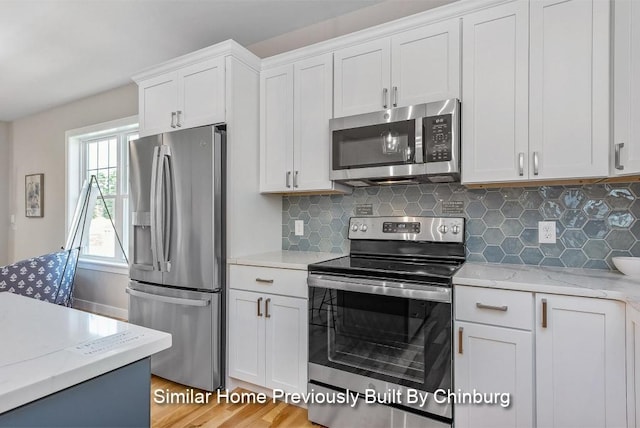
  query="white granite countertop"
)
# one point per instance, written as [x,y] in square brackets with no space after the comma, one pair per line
[575,282]
[45,348]
[284,259]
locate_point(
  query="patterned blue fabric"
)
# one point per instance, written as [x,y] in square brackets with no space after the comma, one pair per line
[48,277]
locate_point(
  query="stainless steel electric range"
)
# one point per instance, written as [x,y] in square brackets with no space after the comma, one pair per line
[380,322]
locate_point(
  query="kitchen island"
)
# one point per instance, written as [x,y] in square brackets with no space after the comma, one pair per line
[63,367]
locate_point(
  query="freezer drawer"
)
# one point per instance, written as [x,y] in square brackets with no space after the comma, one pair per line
[193,318]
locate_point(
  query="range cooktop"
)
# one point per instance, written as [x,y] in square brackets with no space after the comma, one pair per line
[412,249]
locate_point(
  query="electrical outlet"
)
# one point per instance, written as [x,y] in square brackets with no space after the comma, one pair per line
[547,232]
[299,227]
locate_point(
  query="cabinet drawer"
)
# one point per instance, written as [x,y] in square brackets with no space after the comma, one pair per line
[287,282]
[504,308]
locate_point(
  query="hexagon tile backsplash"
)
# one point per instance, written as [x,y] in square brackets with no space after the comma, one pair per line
[593,223]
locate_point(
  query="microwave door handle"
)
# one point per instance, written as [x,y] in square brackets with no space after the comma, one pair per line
[154,209]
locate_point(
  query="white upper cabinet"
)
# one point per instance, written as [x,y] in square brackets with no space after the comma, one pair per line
[191,96]
[201,95]
[295,108]
[157,103]
[425,64]
[626,107]
[411,67]
[312,109]
[495,69]
[276,129]
[362,75]
[569,89]
[536,91]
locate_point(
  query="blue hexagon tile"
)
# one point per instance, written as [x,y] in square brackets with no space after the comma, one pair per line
[593,222]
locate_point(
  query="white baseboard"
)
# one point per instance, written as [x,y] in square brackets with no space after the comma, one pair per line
[99,308]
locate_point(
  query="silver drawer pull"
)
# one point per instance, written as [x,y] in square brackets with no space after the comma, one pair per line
[492,307]
[264,281]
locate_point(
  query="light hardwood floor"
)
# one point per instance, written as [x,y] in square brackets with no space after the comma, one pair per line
[270,414]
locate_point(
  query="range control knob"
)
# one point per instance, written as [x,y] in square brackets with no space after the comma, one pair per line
[363,227]
[455,229]
[354,227]
[443,229]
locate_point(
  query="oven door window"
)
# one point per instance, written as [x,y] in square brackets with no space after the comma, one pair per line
[402,341]
[375,145]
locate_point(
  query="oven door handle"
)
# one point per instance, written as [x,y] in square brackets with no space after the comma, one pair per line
[385,288]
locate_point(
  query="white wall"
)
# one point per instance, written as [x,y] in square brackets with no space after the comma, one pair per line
[5,168]
[38,146]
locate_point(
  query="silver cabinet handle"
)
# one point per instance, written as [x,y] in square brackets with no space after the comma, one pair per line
[520,164]
[288,179]
[266,308]
[264,281]
[178,113]
[536,163]
[258,302]
[167,299]
[385,96]
[395,96]
[295,179]
[173,119]
[618,165]
[492,307]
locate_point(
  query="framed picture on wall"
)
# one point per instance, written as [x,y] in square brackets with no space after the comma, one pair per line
[34,195]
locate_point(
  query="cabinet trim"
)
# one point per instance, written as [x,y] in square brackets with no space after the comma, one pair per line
[228,47]
[414,21]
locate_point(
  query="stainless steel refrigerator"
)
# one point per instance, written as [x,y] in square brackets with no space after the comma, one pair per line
[177,250]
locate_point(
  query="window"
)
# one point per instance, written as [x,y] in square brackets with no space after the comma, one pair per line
[102,151]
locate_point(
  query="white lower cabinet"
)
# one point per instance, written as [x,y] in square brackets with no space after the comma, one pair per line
[633,367]
[494,359]
[580,362]
[267,332]
[571,348]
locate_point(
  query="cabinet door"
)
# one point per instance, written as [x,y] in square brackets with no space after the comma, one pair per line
[569,89]
[286,343]
[276,129]
[495,70]
[580,362]
[362,78]
[246,336]
[157,101]
[425,64]
[633,367]
[313,88]
[201,94]
[627,86]
[494,359]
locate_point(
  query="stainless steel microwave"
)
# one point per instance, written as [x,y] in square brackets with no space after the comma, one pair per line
[414,144]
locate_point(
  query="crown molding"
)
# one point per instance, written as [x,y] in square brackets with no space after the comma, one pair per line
[228,47]
[432,16]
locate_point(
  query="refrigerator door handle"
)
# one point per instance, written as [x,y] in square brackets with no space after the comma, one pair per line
[154,210]
[158,207]
[167,203]
[167,299]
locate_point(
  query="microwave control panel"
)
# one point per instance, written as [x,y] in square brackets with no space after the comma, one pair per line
[437,138]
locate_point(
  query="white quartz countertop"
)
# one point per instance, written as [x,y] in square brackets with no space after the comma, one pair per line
[45,348]
[284,259]
[575,282]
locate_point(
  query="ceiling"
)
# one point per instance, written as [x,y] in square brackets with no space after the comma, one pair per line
[56,51]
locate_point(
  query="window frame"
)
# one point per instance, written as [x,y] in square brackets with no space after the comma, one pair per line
[76,167]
